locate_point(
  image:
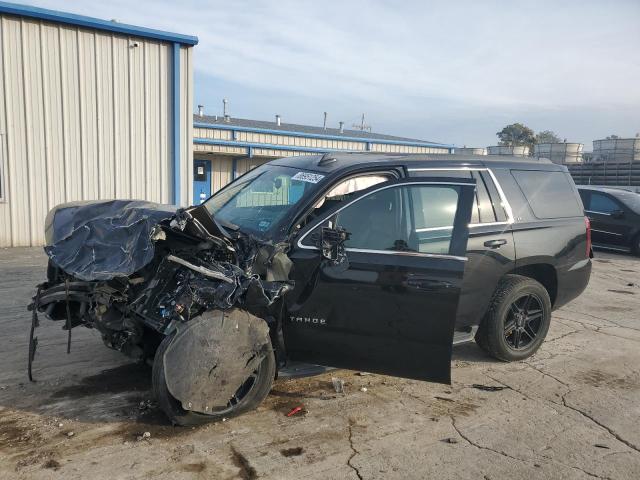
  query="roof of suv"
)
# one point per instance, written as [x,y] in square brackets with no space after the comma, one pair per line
[335,161]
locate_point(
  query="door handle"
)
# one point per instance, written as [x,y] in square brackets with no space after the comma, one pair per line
[495,243]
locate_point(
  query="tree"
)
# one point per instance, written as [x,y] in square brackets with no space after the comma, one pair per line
[517,134]
[547,136]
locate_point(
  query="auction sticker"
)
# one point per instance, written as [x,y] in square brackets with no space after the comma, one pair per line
[307,177]
[263,225]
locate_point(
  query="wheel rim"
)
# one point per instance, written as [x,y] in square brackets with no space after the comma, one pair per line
[523,321]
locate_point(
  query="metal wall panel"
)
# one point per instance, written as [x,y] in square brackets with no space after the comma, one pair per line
[85,114]
[200,147]
[186,131]
[386,148]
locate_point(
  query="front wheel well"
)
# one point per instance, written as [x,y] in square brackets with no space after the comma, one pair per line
[543,273]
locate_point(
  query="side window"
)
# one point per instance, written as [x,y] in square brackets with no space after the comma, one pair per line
[496,201]
[376,222]
[487,206]
[475,216]
[486,213]
[602,203]
[584,196]
[434,208]
[342,191]
[549,193]
[416,218]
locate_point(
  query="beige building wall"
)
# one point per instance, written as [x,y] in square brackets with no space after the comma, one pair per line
[84,115]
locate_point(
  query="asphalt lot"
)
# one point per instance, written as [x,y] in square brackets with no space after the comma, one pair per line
[572,411]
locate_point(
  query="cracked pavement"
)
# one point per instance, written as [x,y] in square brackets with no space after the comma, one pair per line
[572,411]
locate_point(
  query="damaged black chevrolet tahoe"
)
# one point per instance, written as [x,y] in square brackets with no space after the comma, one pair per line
[362,261]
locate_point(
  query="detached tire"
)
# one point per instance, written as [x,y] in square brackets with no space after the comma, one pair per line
[517,321]
[251,395]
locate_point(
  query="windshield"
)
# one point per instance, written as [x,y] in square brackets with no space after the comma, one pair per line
[257,202]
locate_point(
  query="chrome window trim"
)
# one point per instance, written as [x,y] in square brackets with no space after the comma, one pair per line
[599,213]
[407,254]
[608,233]
[433,229]
[503,198]
[384,252]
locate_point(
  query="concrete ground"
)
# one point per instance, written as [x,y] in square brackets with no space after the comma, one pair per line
[572,411]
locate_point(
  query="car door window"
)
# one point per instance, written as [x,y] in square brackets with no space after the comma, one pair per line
[487,205]
[343,190]
[434,210]
[376,222]
[602,204]
[416,218]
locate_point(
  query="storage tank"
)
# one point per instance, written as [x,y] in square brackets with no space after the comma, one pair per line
[471,150]
[617,150]
[559,153]
[517,150]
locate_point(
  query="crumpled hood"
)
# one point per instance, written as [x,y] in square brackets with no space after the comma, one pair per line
[100,240]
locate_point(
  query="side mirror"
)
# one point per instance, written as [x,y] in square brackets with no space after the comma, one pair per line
[617,214]
[332,243]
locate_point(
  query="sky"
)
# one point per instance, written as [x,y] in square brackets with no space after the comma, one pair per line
[447,71]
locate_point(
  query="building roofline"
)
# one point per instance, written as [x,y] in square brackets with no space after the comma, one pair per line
[293,133]
[95,23]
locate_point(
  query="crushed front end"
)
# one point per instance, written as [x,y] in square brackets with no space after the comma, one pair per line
[139,272]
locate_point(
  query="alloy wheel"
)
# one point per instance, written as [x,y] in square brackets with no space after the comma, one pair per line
[523,321]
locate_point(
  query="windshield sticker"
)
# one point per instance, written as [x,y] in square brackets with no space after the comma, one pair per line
[264,225]
[307,177]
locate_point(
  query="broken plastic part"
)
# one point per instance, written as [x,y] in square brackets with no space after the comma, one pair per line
[214,355]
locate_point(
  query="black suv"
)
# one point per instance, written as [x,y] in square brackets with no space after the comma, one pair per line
[363,261]
[615,217]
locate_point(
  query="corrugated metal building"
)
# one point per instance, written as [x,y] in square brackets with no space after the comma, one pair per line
[226,147]
[89,109]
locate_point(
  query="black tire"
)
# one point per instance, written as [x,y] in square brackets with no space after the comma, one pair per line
[508,331]
[172,407]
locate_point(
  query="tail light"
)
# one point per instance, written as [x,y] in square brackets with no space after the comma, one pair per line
[587,223]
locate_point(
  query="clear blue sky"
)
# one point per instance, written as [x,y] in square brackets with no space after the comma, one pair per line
[454,72]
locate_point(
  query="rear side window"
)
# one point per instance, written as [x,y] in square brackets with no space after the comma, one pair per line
[496,202]
[550,194]
[602,203]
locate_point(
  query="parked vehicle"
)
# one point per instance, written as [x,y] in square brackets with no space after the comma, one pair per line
[362,261]
[615,217]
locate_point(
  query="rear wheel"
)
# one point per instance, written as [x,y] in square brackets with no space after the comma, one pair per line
[517,321]
[250,394]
